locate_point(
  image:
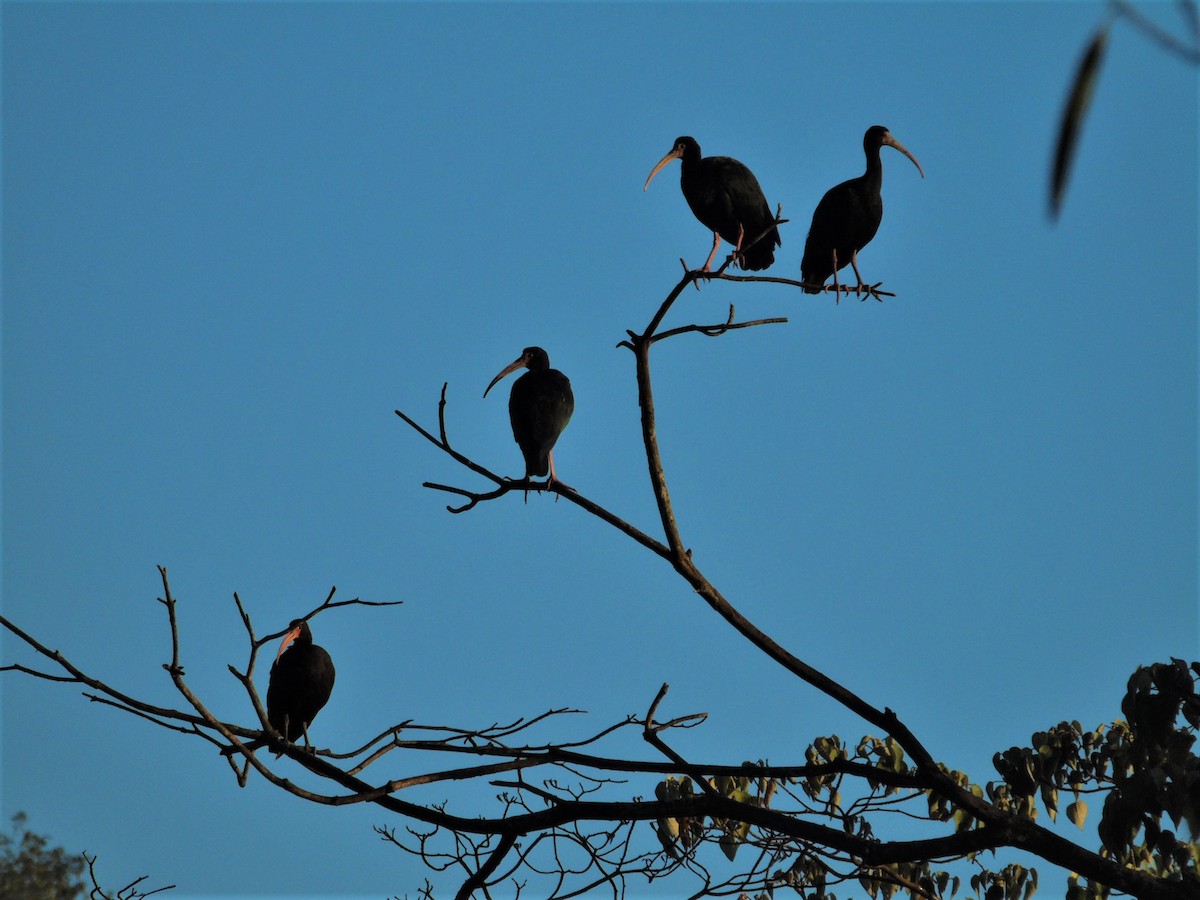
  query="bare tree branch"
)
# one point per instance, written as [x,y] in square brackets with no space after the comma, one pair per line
[576,825]
[1187,52]
[131,891]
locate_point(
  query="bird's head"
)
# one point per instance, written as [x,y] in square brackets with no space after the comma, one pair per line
[878,136]
[684,146]
[533,358]
[298,633]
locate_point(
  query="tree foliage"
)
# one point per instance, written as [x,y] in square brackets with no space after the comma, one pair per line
[31,869]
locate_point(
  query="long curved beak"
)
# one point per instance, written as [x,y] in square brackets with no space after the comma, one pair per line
[892,142]
[511,367]
[674,154]
[287,641]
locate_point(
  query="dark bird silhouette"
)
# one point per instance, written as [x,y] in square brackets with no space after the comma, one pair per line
[725,196]
[301,682]
[848,216]
[540,406]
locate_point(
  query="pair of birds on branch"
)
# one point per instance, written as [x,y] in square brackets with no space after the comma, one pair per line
[302,675]
[726,197]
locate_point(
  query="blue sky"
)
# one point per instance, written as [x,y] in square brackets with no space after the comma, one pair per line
[237,237]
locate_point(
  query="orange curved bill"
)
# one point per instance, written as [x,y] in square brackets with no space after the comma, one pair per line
[892,142]
[287,641]
[674,154]
[511,367]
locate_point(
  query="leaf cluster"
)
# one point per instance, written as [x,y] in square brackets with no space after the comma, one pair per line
[30,867]
[1144,765]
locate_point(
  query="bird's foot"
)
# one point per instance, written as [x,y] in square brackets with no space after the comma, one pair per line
[872,290]
[694,274]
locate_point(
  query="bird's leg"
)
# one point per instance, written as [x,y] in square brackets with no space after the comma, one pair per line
[307,743]
[553,479]
[716,244]
[837,288]
[854,262]
[737,250]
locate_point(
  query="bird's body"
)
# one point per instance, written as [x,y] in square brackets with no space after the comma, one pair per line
[301,682]
[848,216]
[539,407]
[727,199]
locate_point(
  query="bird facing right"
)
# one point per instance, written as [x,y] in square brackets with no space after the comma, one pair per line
[848,216]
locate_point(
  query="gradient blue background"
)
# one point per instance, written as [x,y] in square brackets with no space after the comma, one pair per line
[237,236]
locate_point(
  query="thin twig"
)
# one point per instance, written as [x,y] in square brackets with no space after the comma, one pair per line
[713,330]
[1164,38]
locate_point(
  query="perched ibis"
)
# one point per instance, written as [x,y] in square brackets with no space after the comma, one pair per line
[301,682]
[724,195]
[539,407]
[848,216]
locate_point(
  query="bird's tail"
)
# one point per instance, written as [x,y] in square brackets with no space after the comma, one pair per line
[808,276]
[761,255]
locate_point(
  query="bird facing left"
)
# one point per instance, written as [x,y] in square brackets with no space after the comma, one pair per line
[539,408]
[726,198]
[301,682]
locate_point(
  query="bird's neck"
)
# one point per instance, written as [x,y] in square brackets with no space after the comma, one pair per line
[874,174]
[689,162]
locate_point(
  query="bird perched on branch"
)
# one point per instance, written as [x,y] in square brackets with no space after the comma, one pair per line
[725,196]
[301,682]
[539,407]
[848,216]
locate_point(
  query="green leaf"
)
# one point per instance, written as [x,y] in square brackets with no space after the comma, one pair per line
[1050,801]
[729,845]
[668,831]
[1073,115]
[1077,813]
[897,754]
[963,820]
